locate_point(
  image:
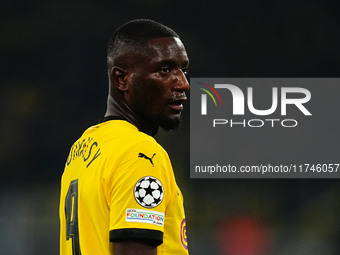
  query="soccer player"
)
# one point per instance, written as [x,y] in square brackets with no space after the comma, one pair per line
[118,191]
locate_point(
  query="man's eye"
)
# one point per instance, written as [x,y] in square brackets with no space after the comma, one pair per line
[185,70]
[165,69]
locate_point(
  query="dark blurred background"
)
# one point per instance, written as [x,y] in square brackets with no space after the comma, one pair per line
[53,85]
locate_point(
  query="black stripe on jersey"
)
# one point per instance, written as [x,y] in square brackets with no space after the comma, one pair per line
[107,118]
[146,236]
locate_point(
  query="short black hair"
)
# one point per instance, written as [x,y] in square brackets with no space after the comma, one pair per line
[136,33]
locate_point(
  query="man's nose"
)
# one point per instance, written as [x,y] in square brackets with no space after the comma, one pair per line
[181,82]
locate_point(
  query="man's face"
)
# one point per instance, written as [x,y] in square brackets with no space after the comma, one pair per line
[157,82]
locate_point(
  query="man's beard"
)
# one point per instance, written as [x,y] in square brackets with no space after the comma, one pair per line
[169,124]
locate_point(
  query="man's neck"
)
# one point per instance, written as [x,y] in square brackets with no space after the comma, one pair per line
[119,109]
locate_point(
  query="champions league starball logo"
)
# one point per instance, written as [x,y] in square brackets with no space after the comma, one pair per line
[282,98]
[149,192]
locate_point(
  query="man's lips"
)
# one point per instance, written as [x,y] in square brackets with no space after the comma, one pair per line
[177,107]
[177,104]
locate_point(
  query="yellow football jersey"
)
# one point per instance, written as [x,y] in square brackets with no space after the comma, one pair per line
[118,184]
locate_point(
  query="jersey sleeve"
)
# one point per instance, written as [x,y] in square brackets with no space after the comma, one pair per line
[139,191]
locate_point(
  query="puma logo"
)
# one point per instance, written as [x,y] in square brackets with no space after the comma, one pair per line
[141,155]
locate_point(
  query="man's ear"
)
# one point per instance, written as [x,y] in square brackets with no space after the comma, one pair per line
[119,78]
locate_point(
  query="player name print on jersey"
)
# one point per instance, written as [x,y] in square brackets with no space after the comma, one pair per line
[86,149]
